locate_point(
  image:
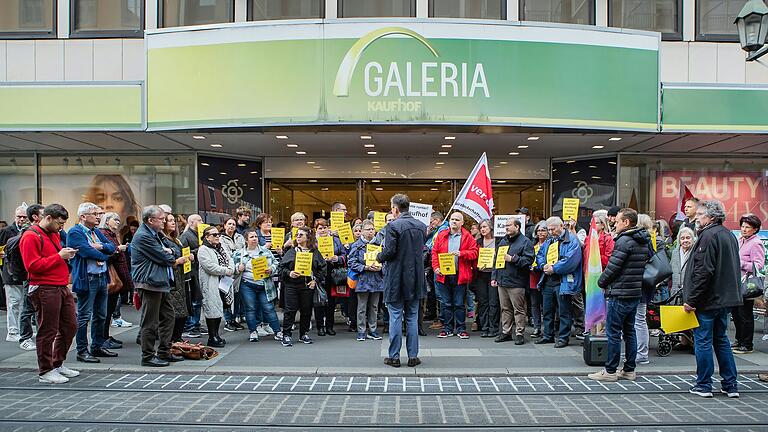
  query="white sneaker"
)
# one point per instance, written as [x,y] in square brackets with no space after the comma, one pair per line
[254,337]
[279,336]
[268,329]
[12,337]
[28,345]
[52,377]
[603,375]
[67,372]
[121,323]
[261,331]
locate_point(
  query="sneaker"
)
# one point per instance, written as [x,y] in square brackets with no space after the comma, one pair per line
[52,377]
[279,336]
[192,334]
[536,333]
[655,333]
[203,331]
[374,335]
[603,375]
[67,372]
[287,342]
[260,329]
[306,339]
[582,336]
[237,325]
[463,335]
[643,361]
[268,329]
[733,394]
[254,337]
[361,337]
[229,327]
[698,391]
[444,334]
[742,350]
[12,337]
[625,375]
[121,323]
[28,345]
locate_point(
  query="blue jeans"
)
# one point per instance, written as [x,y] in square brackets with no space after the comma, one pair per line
[550,295]
[711,333]
[92,307]
[470,301]
[408,310]
[451,296]
[257,306]
[193,321]
[620,320]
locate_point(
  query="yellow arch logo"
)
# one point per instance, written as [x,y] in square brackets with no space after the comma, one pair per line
[349,63]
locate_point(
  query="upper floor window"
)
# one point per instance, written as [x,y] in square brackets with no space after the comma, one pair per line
[27,19]
[107,18]
[663,16]
[377,8]
[176,13]
[714,20]
[285,9]
[485,9]
[558,11]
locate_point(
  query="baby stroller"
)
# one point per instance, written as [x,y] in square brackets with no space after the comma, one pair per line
[667,341]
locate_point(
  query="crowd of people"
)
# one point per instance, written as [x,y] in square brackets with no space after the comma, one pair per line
[404,274]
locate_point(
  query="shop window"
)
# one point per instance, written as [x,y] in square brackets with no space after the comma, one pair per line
[558,11]
[591,181]
[27,19]
[378,195]
[122,184]
[314,199]
[107,18]
[377,8]
[17,184]
[714,20]
[224,185]
[664,16]
[285,9]
[176,13]
[483,9]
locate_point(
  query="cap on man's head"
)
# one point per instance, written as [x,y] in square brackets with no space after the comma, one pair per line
[613,211]
[523,210]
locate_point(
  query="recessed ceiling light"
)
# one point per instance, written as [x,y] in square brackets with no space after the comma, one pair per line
[501,181]
[223,173]
[514,153]
[282,137]
[533,138]
[254,172]
[198,137]
[612,162]
[503,162]
[598,146]
[374,162]
[438,181]
[250,188]
[614,139]
[301,152]
[450,138]
[375,181]
[433,189]
[439,163]
[522,146]
[275,189]
[205,164]
[575,172]
[376,167]
[311,162]
[442,153]
[210,179]
[372,153]
[593,166]
[369,145]
[365,137]
[292,145]
[446,145]
[596,177]
[313,181]
[325,189]
[379,189]
[241,165]
[570,161]
[216,145]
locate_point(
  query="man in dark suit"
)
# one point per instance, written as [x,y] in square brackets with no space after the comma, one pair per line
[403,279]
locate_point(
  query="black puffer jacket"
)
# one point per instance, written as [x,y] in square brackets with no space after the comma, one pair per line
[515,274]
[623,276]
[713,275]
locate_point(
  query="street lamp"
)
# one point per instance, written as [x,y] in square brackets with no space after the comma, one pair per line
[752,24]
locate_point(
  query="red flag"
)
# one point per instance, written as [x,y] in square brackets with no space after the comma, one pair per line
[685,195]
[476,197]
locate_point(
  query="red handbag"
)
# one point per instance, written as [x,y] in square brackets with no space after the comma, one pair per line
[136,300]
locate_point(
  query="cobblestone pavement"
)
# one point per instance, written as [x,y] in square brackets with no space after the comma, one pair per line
[158,402]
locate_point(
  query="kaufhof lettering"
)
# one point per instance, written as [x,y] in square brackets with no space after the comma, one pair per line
[435,80]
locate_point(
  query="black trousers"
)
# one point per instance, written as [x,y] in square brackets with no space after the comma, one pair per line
[112,305]
[156,324]
[324,315]
[297,299]
[744,320]
[431,306]
[352,308]
[488,307]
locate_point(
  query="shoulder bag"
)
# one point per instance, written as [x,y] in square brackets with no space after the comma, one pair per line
[657,270]
[753,285]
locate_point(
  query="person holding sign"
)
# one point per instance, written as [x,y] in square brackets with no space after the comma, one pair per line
[487,296]
[178,295]
[299,289]
[188,239]
[216,272]
[298,220]
[370,284]
[451,289]
[562,279]
[264,232]
[537,318]
[512,281]
[257,288]
[334,254]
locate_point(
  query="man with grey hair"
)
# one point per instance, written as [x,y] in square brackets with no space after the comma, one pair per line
[152,272]
[89,281]
[13,289]
[711,287]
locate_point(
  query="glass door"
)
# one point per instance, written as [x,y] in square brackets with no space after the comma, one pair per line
[311,197]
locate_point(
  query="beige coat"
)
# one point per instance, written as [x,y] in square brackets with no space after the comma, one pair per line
[210,273]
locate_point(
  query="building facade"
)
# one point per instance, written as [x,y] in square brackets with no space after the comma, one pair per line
[290,105]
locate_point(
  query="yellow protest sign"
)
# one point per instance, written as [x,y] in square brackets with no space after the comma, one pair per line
[303,263]
[259,267]
[345,234]
[278,238]
[447,263]
[186,252]
[676,319]
[653,240]
[325,246]
[535,254]
[485,258]
[2,248]
[371,252]
[379,220]
[570,209]
[500,263]
[553,253]
[337,219]
[200,228]
[294,230]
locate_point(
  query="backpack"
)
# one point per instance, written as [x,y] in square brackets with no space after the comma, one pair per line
[13,263]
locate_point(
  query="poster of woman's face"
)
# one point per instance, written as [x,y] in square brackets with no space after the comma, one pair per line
[112,193]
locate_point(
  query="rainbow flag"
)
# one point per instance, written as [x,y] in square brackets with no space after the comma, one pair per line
[595,302]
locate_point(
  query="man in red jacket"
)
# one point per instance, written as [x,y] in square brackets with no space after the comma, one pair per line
[451,289]
[46,264]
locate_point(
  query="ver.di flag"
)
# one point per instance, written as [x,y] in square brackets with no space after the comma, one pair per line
[685,195]
[595,302]
[476,197]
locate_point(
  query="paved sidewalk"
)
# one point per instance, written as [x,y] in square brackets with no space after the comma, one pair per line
[341,355]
